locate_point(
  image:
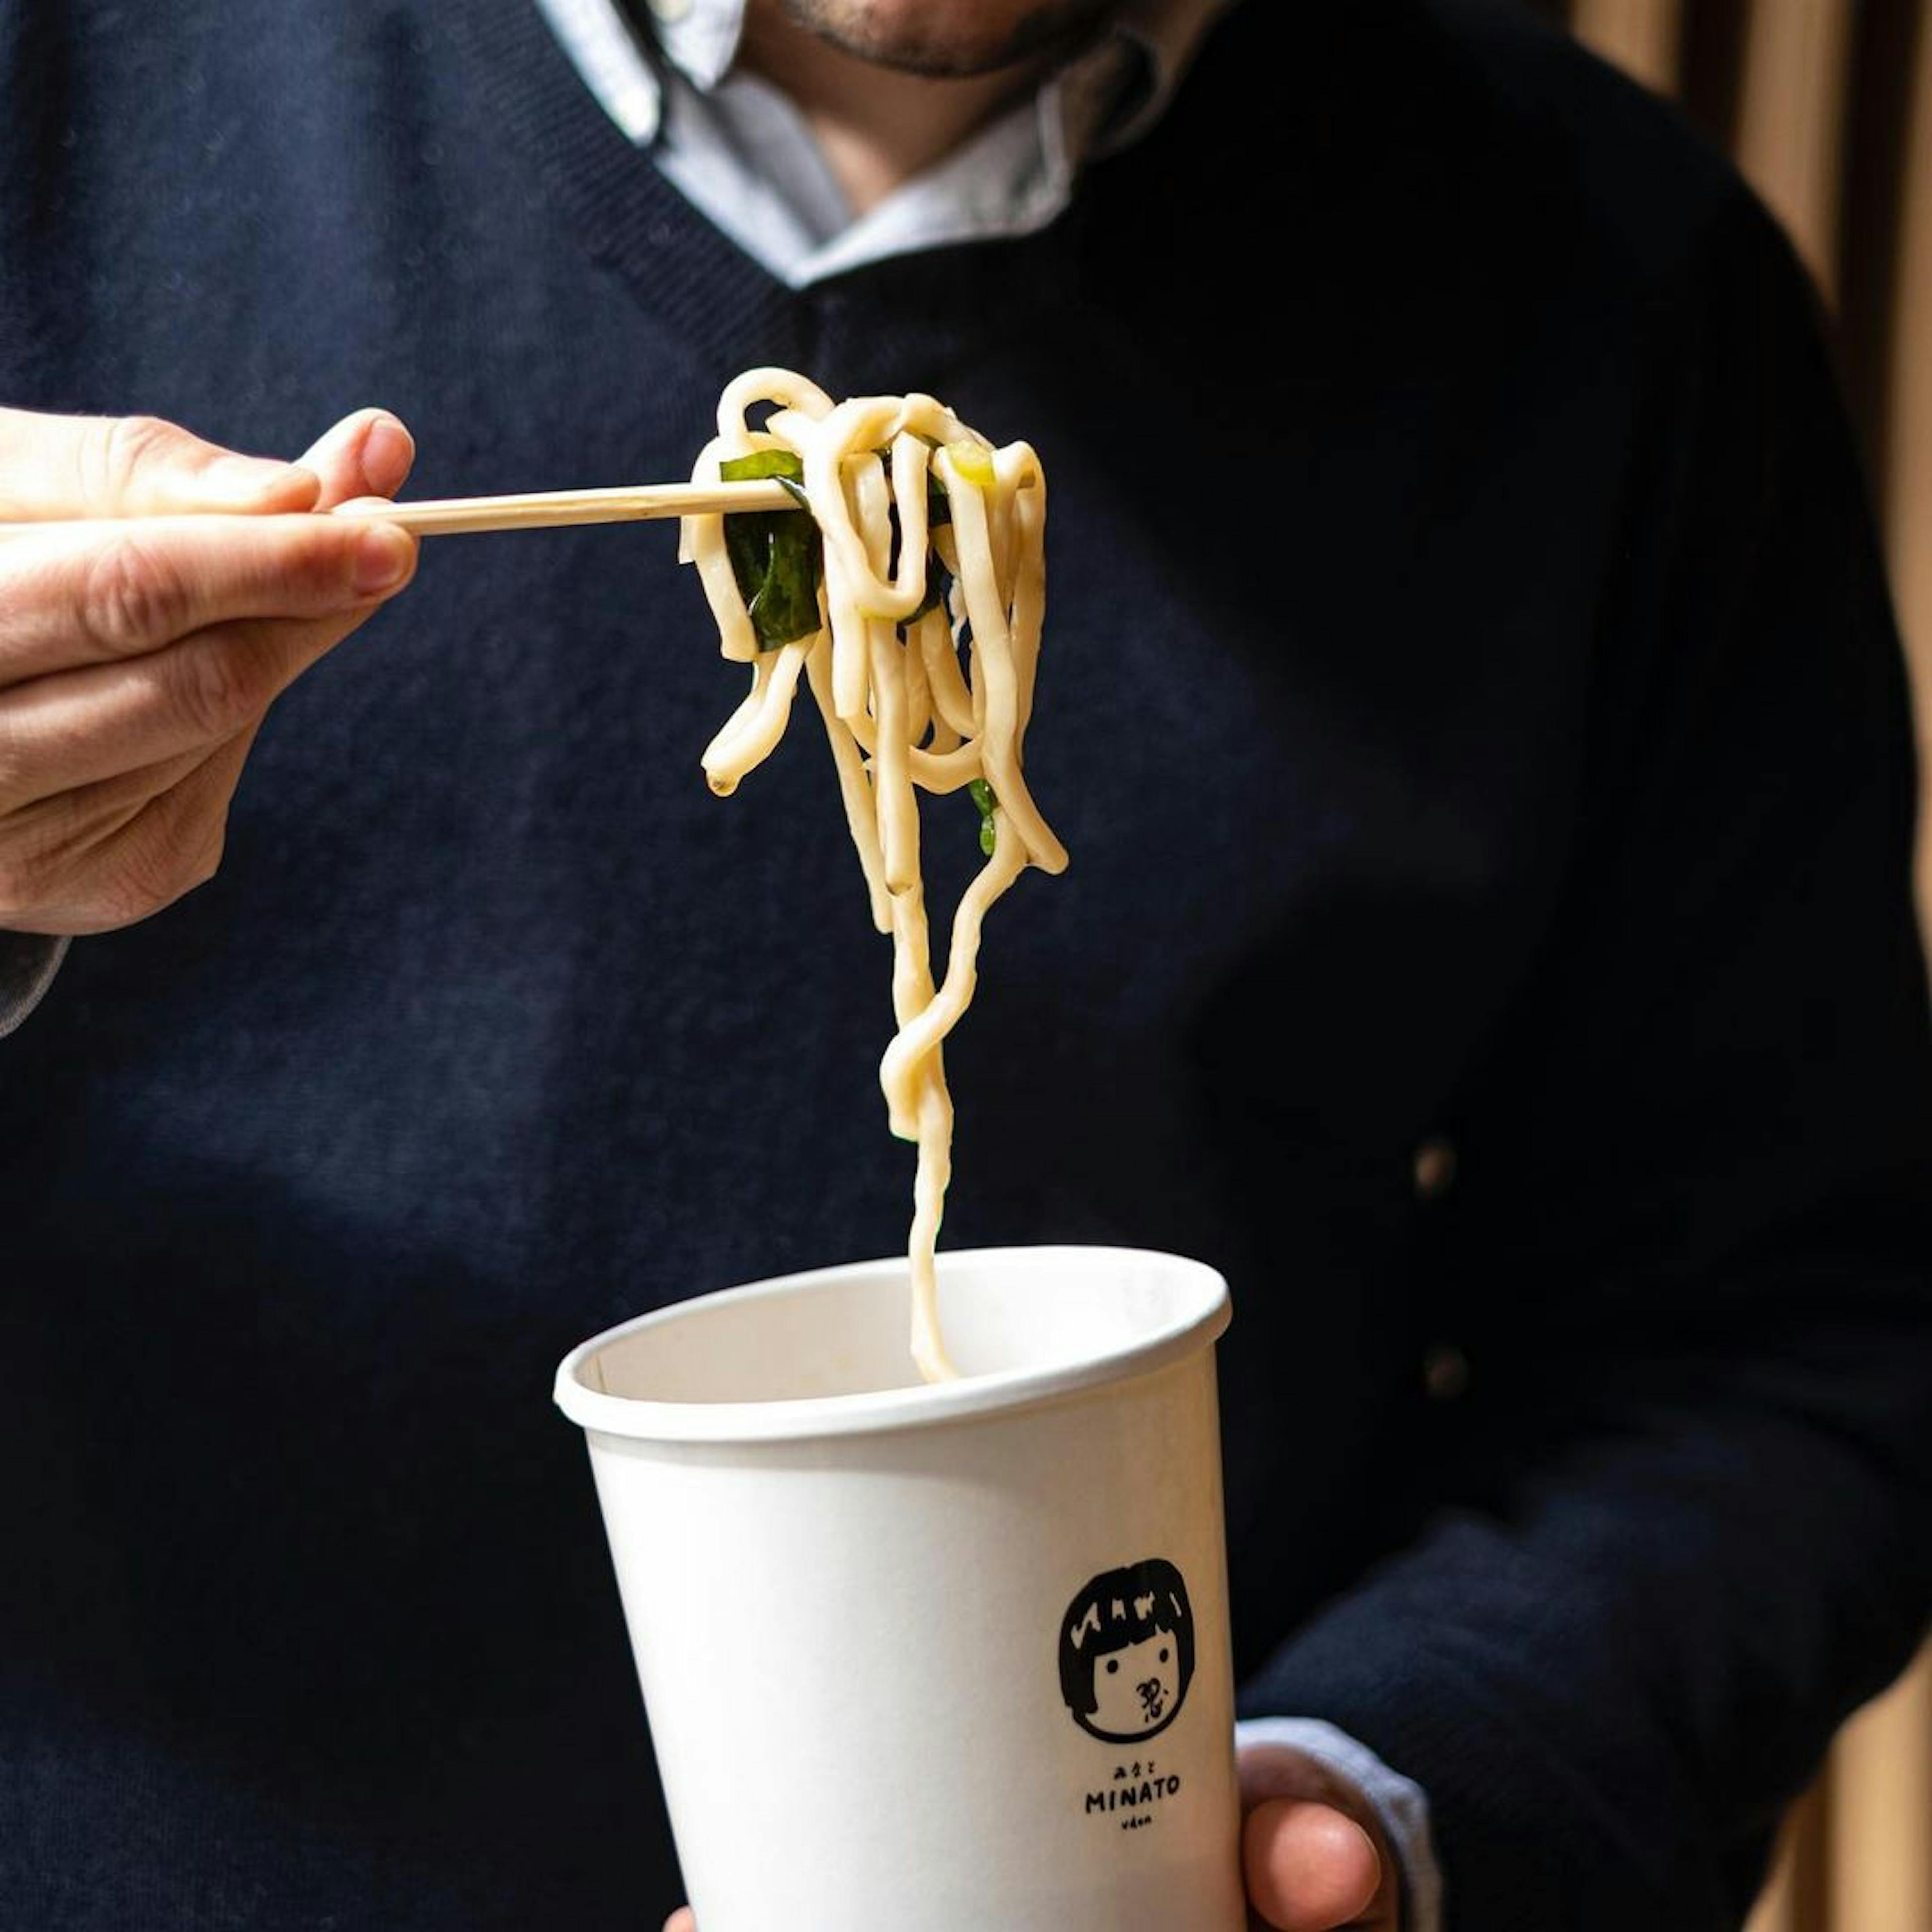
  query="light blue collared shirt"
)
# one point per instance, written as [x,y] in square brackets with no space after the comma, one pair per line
[738,148]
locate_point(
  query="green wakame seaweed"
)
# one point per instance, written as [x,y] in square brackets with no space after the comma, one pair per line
[776,554]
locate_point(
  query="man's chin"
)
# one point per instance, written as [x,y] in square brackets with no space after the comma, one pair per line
[951,40]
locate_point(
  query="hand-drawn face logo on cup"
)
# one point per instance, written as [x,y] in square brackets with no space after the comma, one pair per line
[1126,1652]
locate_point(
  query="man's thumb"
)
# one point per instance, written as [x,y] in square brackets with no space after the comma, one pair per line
[1309,1867]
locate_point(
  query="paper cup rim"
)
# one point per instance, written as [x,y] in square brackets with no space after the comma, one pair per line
[921,1406]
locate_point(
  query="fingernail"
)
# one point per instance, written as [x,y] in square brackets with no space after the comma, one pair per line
[388,450]
[384,556]
[243,479]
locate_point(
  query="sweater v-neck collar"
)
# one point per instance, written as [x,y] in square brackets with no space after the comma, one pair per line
[693,278]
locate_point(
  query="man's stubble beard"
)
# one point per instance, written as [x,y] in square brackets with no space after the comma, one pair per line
[953,39]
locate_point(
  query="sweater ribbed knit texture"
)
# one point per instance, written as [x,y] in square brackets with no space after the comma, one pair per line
[1472,705]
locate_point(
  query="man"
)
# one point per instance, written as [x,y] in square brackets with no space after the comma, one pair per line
[1471,704]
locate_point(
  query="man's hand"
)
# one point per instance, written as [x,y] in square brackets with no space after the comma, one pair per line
[1311,1848]
[138,656]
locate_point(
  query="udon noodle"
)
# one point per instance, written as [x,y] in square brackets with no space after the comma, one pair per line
[919,691]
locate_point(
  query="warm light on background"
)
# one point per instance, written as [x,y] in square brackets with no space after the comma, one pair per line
[1827,105]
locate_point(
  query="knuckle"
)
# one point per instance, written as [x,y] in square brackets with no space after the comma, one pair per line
[126,445]
[218,689]
[134,595]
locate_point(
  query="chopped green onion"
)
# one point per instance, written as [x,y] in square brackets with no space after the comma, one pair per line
[974,460]
[983,796]
[763,464]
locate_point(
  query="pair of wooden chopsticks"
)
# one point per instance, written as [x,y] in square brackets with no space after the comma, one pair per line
[556,509]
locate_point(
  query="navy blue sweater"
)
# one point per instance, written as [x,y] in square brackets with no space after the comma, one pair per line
[1525,765]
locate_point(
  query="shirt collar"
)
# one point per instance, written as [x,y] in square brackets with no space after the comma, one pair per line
[1168,34]
[1104,99]
[699,38]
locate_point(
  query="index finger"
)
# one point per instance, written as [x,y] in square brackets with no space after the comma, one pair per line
[64,467]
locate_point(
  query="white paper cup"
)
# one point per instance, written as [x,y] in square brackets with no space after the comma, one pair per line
[949,1659]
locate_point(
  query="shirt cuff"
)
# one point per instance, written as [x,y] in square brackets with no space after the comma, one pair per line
[1398,1803]
[28,961]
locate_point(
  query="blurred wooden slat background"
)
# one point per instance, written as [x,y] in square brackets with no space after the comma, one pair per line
[1827,106]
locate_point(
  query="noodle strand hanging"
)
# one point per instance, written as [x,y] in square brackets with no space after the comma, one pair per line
[916,541]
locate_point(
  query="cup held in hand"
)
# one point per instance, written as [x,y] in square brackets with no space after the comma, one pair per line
[944,1658]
